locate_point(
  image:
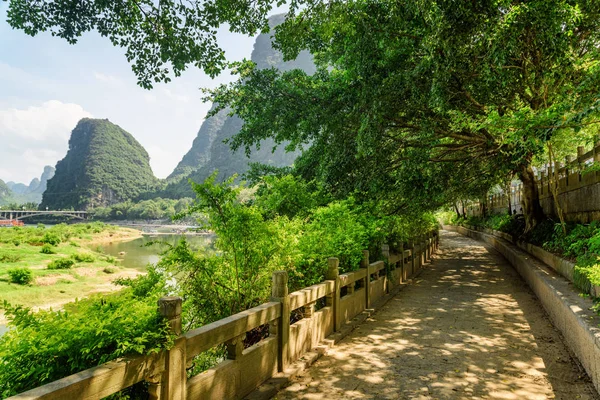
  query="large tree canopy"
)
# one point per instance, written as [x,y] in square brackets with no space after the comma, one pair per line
[479,86]
[425,100]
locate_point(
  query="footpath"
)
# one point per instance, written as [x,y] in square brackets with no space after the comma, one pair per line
[467,328]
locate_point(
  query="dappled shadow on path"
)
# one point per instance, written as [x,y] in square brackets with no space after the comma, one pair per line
[468,328]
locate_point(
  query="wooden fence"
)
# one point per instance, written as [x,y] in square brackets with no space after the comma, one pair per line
[345,296]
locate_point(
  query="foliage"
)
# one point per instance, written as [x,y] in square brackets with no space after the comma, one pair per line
[468,93]
[10,258]
[53,235]
[47,345]
[47,249]
[83,257]
[20,276]
[249,250]
[155,209]
[104,165]
[61,263]
[51,238]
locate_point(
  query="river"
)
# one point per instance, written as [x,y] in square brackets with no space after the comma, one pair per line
[140,252]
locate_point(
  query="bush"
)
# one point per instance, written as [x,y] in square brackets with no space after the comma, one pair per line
[47,249]
[83,257]
[109,270]
[20,276]
[51,238]
[9,258]
[61,263]
[45,346]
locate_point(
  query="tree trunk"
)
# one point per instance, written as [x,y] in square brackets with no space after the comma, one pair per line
[508,193]
[532,210]
[457,211]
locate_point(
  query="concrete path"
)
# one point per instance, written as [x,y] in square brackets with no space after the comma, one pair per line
[467,328]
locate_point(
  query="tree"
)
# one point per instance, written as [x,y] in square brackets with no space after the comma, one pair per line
[481,86]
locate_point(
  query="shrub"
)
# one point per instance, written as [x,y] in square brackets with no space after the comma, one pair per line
[47,249]
[45,346]
[83,257]
[10,258]
[61,263]
[110,259]
[109,270]
[51,238]
[20,276]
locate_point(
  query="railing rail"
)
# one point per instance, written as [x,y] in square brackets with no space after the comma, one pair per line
[244,370]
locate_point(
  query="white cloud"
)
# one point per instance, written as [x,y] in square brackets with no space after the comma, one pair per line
[176,97]
[36,136]
[52,120]
[105,78]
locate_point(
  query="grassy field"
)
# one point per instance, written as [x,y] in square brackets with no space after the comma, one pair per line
[91,272]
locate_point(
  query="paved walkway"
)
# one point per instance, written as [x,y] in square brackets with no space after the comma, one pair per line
[468,328]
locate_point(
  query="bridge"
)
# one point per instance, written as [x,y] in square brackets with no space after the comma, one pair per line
[22,214]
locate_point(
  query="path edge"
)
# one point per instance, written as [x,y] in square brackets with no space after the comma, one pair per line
[570,313]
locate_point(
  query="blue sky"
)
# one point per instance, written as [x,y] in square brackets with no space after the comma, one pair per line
[47,85]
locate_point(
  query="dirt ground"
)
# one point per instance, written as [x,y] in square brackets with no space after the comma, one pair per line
[467,328]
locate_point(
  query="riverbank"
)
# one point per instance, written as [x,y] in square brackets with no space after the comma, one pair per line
[92,270]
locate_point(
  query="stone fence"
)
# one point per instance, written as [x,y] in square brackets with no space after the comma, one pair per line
[578,190]
[341,297]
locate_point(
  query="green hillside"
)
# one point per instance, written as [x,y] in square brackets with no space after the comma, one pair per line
[104,165]
[6,195]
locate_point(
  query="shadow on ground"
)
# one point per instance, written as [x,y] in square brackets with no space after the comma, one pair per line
[467,328]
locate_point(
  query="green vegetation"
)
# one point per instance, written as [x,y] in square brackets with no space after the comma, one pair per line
[61,263]
[26,247]
[158,208]
[47,249]
[270,231]
[47,345]
[104,165]
[413,106]
[20,276]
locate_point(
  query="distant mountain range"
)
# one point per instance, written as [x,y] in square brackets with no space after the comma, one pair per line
[106,165]
[11,192]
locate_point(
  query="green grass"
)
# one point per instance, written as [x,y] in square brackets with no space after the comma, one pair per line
[53,286]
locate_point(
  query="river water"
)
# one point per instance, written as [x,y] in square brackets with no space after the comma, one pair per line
[146,250]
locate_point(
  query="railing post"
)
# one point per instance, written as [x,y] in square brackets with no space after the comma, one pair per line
[364,263]
[385,251]
[412,258]
[401,262]
[333,299]
[279,293]
[173,381]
